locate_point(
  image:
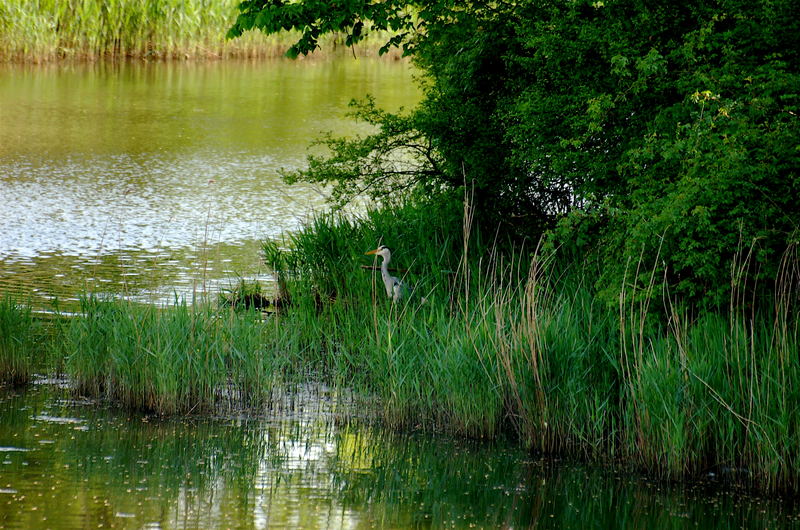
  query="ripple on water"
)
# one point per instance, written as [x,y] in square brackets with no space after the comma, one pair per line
[148,186]
[58,419]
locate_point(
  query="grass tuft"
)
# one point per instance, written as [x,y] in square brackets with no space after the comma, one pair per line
[18,342]
[170,360]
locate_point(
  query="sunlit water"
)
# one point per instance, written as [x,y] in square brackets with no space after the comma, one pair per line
[309,463]
[159,180]
[151,180]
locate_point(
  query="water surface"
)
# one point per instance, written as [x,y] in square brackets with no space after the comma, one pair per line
[309,462]
[148,179]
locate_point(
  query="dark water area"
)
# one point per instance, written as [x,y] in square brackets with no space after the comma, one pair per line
[310,462]
[148,180]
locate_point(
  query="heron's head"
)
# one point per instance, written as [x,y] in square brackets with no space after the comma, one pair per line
[382,251]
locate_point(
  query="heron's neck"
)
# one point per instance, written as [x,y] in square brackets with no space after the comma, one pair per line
[385,275]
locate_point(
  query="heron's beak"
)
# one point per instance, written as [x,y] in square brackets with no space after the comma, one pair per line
[372,252]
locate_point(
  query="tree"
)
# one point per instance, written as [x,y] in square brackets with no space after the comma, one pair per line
[660,133]
[456,136]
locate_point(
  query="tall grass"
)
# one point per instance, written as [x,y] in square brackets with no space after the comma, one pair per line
[508,340]
[487,342]
[18,340]
[719,391]
[169,360]
[494,338]
[44,30]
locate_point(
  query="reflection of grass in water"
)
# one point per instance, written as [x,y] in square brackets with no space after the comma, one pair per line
[204,472]
[462,483]
[138,465]
[211,472]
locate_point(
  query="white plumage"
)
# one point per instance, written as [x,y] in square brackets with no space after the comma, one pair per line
[395,289]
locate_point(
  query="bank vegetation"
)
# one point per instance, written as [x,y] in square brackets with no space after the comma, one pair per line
[596,204]
[33,31]
[491,342]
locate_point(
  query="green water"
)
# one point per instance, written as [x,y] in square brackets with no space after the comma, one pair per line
[151,179]
[158,180]
[309,463]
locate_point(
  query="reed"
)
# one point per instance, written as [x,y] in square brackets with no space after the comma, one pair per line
[18,342]
[414,355]
[177,359]
[495,339]
[46,30]
[716,391]
[509,340]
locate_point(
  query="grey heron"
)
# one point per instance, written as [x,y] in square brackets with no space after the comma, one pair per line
[395,289]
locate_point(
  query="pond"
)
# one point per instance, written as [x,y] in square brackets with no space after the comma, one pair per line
[153,180]
[309,462]
[156,181]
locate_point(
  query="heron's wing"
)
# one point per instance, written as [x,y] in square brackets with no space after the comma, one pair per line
[398,289]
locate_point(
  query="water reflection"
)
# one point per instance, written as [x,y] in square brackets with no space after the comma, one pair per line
[308,463]
[150,276]
[103,166]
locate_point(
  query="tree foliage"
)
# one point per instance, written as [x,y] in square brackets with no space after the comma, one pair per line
[663,134]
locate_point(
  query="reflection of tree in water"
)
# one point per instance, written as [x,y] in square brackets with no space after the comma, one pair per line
[414,480]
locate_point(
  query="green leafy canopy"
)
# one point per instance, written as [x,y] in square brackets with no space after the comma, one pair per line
[662,134]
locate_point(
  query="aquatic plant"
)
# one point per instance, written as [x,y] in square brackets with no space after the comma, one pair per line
[515,341]
[507,340]
[17,342]
[152,29]
[717,390]
[169,360]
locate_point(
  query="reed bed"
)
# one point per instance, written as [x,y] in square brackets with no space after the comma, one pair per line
[170,360]
[494,339]
[510,341]
[47,30]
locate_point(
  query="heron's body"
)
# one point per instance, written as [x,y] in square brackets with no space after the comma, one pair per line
[395,289]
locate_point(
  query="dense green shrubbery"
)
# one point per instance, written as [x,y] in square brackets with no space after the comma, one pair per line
[653,134]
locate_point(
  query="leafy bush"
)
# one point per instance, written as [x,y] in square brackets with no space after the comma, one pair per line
[666,132]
